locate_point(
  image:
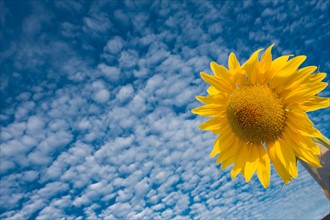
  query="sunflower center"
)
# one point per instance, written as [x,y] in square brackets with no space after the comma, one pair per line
[256,114]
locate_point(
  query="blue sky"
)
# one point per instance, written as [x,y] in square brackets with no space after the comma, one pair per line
[95,107]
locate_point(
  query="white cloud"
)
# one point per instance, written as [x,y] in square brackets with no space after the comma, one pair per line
[69,30]
[102,96]
[35,124]
[125,93]
[114,45]
[128,59]
[121,17]
[6,166]
[84,124]
[140,20]
[71,6]
[109,72]
[99,23]
[33,24]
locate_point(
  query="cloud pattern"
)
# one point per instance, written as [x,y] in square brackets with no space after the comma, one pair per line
[95,108]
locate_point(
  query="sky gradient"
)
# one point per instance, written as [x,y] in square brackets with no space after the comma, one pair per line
[96,100]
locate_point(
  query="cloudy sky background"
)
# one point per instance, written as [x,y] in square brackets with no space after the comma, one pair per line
[95,107]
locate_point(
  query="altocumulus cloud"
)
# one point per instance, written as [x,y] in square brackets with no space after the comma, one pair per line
[95,107]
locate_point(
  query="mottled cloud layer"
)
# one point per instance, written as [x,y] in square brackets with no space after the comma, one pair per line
[95,108]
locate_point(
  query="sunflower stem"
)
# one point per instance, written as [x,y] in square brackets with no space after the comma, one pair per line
[321,174]
[324,141]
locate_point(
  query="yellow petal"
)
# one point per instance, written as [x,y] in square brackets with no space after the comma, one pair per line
[214,152]
[280,169]
[251,67]
[226,144]
[317,77]
[224,128]
[266,59]
[296,80]
[303,94]
[265,63]
[294,63]
[302,129]
[213,99]
[290,68]
[223,74]
[263,168]
[315,103]
[211,110]
[233,62]
[230,154]
[226,140]
[216,149]
[299,121]
[230,150]
[221,143]
[304,155]
[212,124]
[287,157]
[277,65]
[252,161]
[240,77]
[216,83]
[227,163]
[219,70]
[240,160]
[305,142]
[212,91]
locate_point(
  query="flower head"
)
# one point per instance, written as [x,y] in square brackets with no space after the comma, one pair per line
[258,109]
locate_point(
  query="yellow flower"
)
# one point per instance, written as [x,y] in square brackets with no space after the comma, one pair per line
[258,109]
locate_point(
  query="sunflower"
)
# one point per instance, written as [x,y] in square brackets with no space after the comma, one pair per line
[258,110]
